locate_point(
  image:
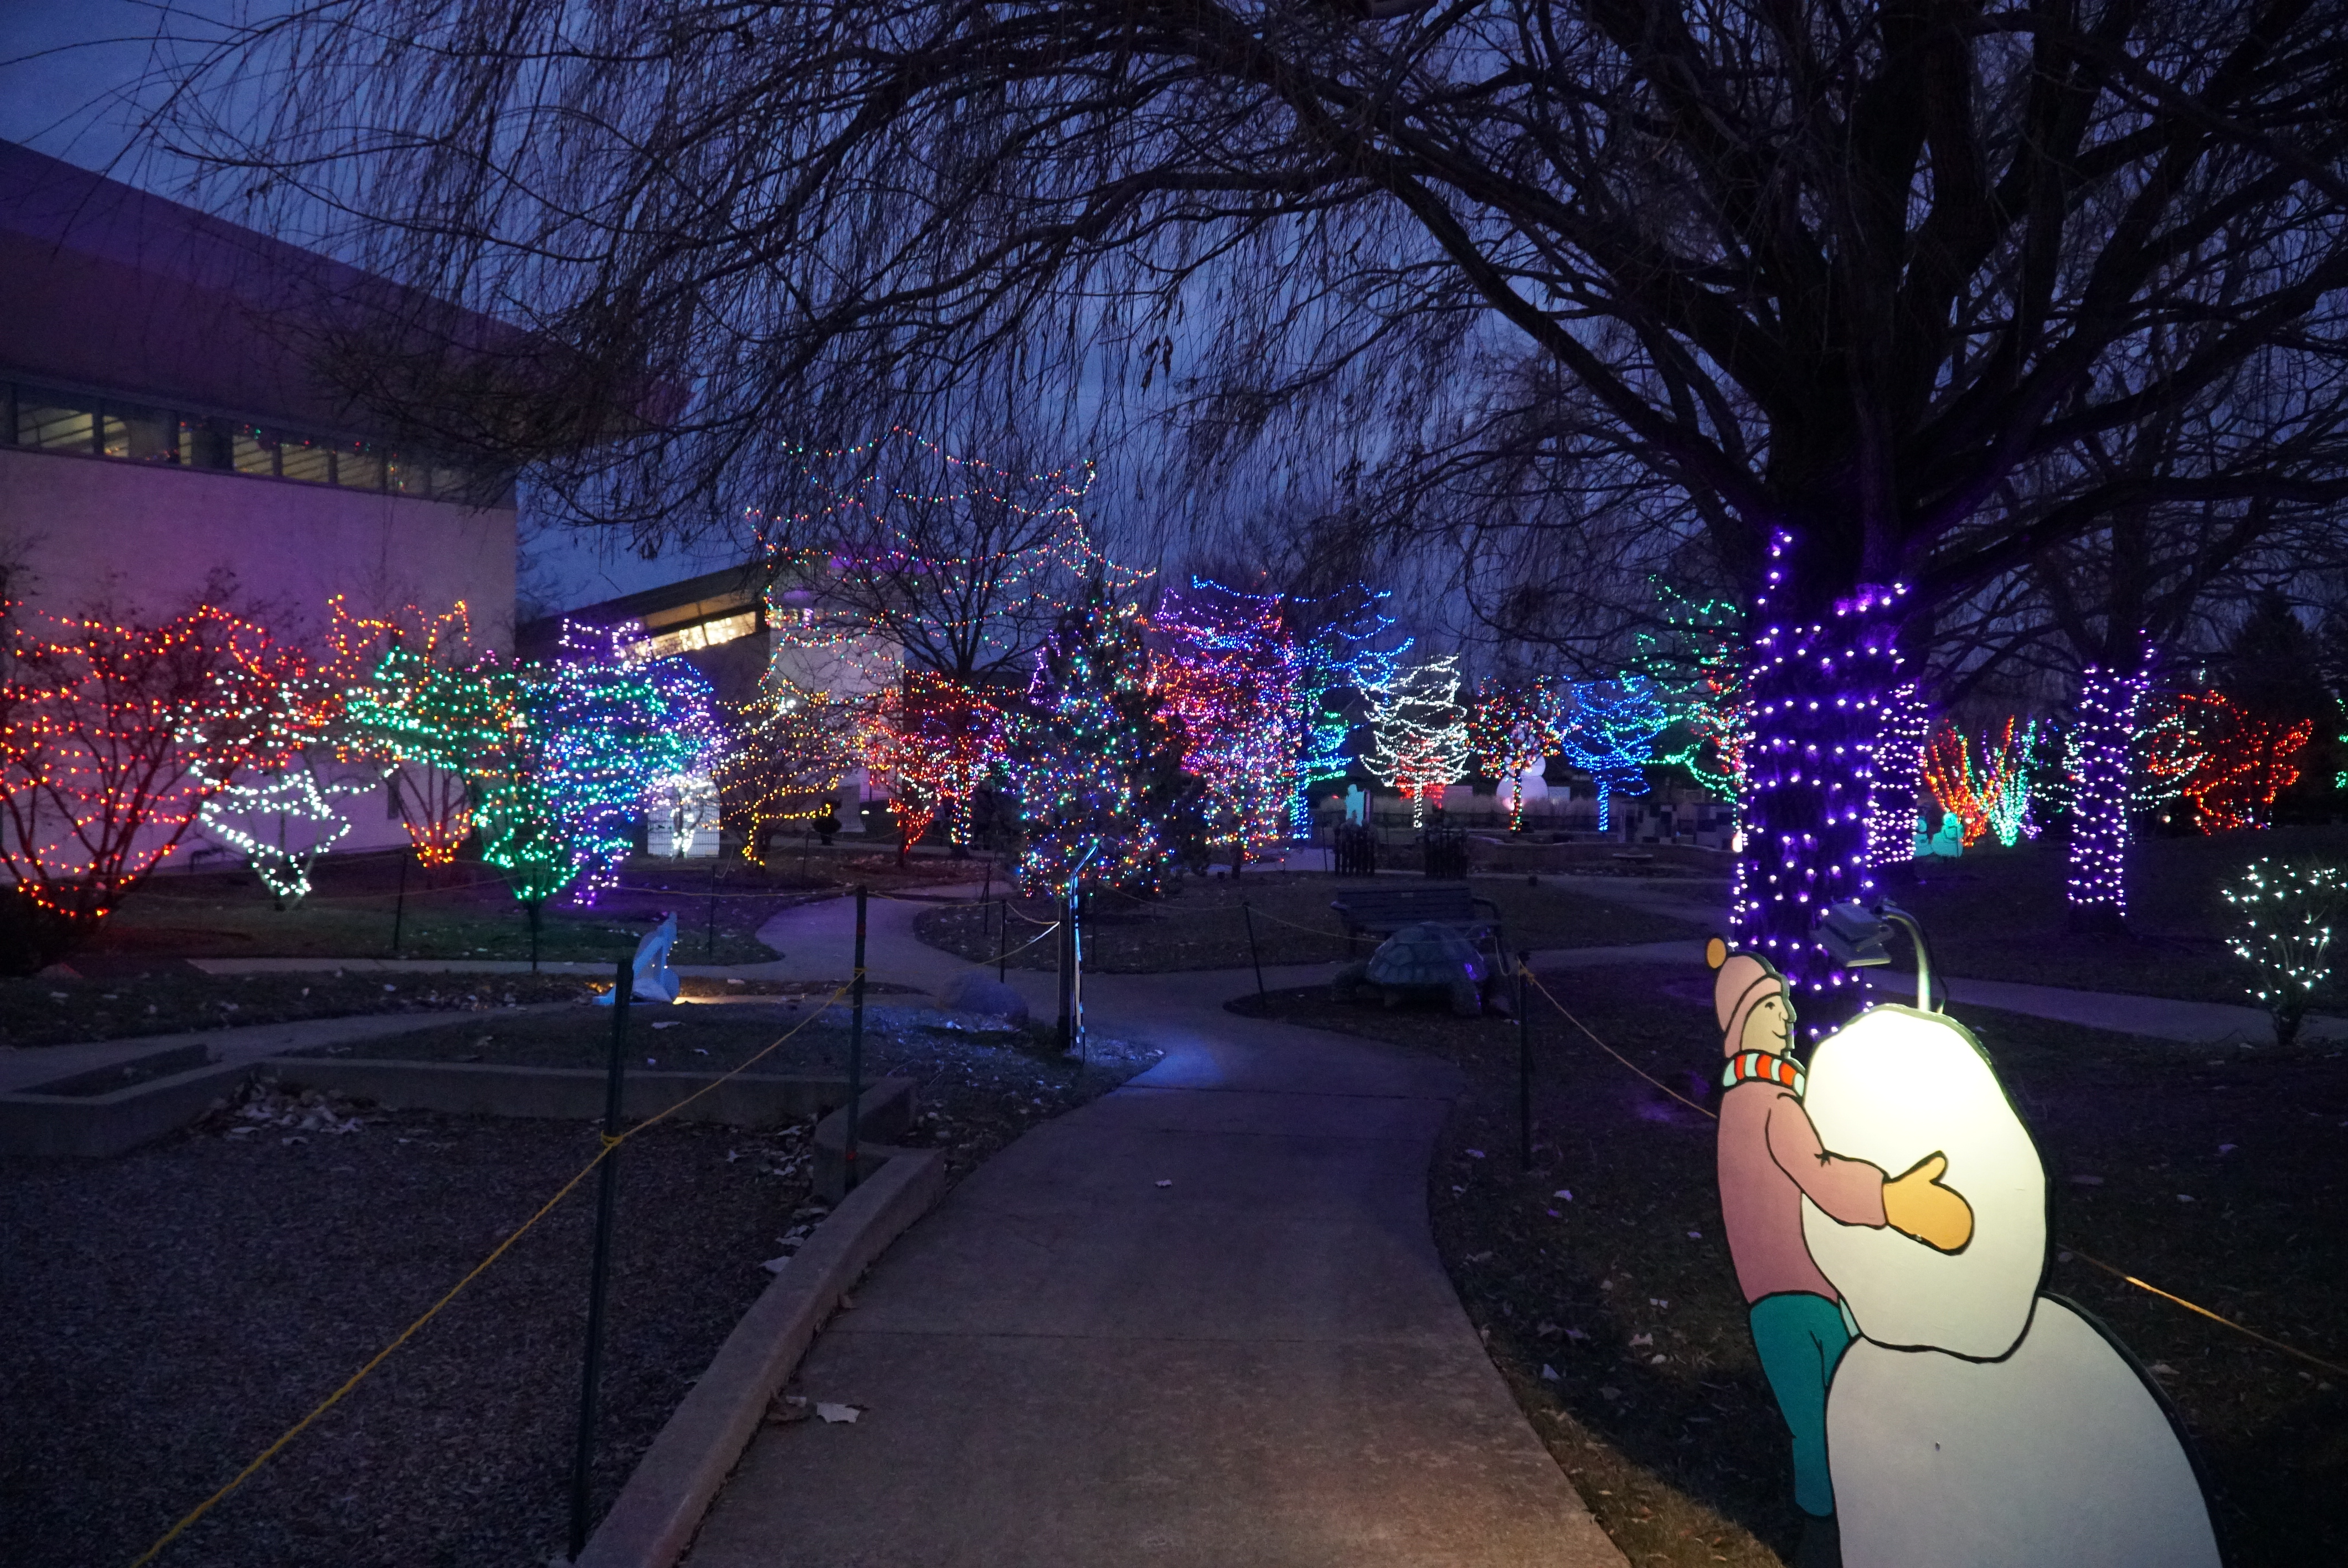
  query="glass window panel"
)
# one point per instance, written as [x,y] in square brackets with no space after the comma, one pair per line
[358,467]
[207,444]
[253,451]
[139,435]
[312,461]
[53,421]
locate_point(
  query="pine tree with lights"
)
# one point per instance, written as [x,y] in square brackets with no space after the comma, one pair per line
[1095,760]
[1610,735]
[1418,734]
[1513,726]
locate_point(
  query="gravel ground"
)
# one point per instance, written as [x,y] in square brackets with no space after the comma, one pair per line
[173,1310]
[52,1012]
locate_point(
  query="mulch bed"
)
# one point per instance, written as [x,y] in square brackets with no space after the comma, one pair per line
[173,1310]
[1614,1314]
[44,1011]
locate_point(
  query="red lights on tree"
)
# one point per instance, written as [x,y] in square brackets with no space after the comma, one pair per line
[940,738]
[112,736]
[2239,762]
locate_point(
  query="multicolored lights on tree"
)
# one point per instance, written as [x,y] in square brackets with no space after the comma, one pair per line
[940,740]
[112,737]
[2099,765]
[1697,667]
[434,804]
[1610,734]
[1095,758]
[1512,728]
[1985,786]
[1228,670]
[1418,734]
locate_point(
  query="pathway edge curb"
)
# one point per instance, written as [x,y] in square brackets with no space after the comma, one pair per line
[661,1507]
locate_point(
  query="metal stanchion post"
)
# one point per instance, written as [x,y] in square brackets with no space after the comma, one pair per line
[1003,946]
[1066,966]
[533,905]
[399,907]
[1254,956]
[709,935]
[1524,1066]
[855,1049]
[584,1458]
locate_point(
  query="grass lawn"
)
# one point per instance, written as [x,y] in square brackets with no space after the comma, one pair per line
[462,912]
[1658,1410]
[1202,927]
[1999,914]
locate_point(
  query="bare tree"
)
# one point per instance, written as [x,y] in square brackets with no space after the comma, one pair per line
[1814,282]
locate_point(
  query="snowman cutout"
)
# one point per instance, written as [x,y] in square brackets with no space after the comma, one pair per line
[1973,1421]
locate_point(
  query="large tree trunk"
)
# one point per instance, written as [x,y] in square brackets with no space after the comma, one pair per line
[1824,666]
[2101,761]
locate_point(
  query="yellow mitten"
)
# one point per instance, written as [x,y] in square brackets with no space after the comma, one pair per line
[1915,1203]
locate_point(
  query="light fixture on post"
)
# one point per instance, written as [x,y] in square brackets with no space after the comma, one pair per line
[1853,936]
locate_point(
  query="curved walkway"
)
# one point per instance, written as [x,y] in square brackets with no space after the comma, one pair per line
[1200,1321]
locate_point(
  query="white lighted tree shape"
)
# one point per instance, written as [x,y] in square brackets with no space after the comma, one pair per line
[1418,734]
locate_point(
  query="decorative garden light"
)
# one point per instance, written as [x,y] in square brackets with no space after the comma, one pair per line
[1419,735]
[1231,674]
[297,784]
[434,804]
[942,740]
[2287,912]
[1611,735]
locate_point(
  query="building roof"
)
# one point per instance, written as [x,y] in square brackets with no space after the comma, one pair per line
[118,288]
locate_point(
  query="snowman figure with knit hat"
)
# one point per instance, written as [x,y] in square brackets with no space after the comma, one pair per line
[1970,1421]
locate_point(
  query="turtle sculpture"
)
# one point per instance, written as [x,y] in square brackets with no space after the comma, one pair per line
[1426,956]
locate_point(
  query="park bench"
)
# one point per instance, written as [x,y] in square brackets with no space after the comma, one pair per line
[1381,911]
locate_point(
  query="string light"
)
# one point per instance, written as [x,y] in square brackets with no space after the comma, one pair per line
[1610,735]
[2099,764]
[1512,727]
[1094,760]
[1419,735]
[434,804]
[2243,762]
[1896,773]
[2288,913]
[1699,671]
[792,747]
[1984,786]
[298,778]
[942,740]
[1818,689]
[112,737]
[1230,675]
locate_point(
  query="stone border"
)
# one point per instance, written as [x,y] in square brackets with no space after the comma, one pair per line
[661,1507]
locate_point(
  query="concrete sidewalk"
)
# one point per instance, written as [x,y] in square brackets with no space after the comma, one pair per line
[1201,1321]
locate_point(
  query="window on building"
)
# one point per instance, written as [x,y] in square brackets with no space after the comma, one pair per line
[358,466]
[708,634]
[207,444]
[139,435]
[310,461]
[253,450]
[55,421]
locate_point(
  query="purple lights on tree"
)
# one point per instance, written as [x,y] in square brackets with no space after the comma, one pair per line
[1820,689]
[2099,764]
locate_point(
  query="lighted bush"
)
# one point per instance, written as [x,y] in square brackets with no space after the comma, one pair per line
[2287,912]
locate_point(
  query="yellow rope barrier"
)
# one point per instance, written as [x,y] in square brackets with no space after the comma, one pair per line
[2107,1268]
[608,1144]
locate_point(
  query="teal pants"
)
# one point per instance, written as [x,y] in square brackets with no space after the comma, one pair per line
[1800,1337]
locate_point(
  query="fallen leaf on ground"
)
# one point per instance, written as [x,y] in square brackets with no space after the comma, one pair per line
[837,1413]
